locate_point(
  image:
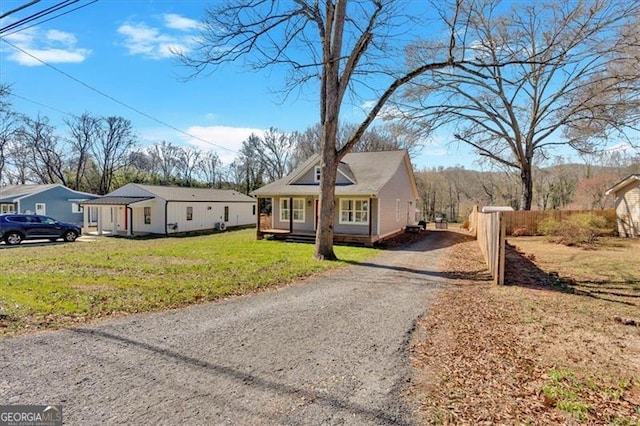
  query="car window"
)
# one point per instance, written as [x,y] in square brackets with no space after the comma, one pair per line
[19,219]
[47,220]
[33,219]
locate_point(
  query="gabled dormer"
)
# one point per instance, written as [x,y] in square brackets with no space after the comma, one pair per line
[310,173]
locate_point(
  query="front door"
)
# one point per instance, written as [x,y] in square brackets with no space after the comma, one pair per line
[41,209]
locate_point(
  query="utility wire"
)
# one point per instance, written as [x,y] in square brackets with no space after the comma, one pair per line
[116,100]
[50,19]
[38,15]
[19,8]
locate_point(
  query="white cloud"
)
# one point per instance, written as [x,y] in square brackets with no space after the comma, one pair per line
[177,22]
[222,136]
[52,46]
[159,43]
[217,138]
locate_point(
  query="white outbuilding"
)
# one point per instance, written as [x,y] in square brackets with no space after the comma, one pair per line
[147,209]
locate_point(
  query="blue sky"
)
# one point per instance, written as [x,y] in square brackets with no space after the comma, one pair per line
[123,49]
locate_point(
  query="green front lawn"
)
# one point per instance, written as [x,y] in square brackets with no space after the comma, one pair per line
[48,286]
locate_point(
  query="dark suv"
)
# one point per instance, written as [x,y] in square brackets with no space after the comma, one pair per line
[17,227]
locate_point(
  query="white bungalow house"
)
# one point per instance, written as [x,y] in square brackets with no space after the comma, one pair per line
[146,209]
[376,198]
[627,203]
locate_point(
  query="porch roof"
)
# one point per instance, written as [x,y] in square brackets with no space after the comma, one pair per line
[114,201]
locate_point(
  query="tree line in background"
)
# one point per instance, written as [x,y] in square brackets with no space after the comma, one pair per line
[98,154]
[452,192]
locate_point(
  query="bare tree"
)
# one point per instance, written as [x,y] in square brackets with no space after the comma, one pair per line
[209,169]
[8,126]
[275,153]
[46,156]
[188,160]
[111,152]
[515,114]
[83,134]
[337,43]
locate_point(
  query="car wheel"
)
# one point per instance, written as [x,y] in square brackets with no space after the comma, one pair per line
[70,236]
[13,238]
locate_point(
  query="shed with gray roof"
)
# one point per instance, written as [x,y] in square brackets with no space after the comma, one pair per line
[148,209]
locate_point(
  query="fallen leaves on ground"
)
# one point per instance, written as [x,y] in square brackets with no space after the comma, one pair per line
[522,354]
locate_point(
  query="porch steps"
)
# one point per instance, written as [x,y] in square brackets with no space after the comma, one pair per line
[300,238]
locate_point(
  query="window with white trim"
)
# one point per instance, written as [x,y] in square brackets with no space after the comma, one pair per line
[317,174]
[147,215]
[76,208]
[189,213]
[298,210]
[354,211]
[7,208]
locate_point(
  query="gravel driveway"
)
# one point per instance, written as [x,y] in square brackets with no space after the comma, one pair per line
[330,350]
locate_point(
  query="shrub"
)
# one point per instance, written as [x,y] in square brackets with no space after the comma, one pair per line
[578,229]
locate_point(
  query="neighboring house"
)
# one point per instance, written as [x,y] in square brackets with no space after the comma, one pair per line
[53,200]
[376,198]
[146,209]
[627,202]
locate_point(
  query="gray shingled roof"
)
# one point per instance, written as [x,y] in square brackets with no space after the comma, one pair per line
[11,192]
[370,170]
[114,201]
[176,193]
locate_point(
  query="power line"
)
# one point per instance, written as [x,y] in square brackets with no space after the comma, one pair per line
[50,19]
[39,14]
[144,114]
[19,8]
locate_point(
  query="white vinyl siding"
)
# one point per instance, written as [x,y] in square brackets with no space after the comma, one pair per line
[354,211]
[298,210]
[397,210]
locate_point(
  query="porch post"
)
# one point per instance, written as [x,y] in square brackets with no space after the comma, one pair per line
[258,233]
[85,219]
[100,213]
[290,214]
[114,211]
[128,220]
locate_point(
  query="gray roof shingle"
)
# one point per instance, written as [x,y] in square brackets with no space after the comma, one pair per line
[370,171]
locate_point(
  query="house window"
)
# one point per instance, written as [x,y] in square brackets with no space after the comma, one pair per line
[7,208]
[254,209]
[298,210]
[397,210]
[226,213]
[189,213]
[41,208]
[317,174]
[147,215]
[354,211]
[76,208]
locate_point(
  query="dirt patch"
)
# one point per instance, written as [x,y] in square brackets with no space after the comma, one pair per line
[535,352]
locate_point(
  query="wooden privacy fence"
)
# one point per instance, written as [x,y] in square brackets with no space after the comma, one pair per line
[529,220]
[489,230]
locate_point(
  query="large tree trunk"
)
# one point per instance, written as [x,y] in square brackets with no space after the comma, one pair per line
[324,233]
[527,186]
